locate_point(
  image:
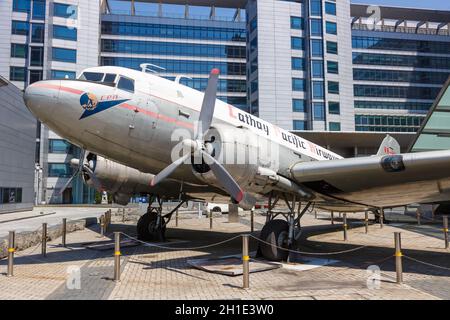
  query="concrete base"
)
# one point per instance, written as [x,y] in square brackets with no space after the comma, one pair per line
[233,213]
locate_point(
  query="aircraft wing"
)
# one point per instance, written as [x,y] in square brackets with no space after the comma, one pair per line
[380,181]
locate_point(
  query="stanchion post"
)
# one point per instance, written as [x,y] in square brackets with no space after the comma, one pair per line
[398,257]
[446,231]
[245,262]
[116,256]
[345,226]
[315,214]
[252,220]
[64,232]
[102,225]
[176,219]
[11,250]
[332,217]
[366,220]
[418,216]
[44,239]
[381,218]
[210,219]
[123,215]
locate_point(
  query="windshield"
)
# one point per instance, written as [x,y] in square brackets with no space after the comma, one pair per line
[92,76]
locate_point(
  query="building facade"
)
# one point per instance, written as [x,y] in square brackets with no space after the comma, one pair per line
[320,65]
[17,150]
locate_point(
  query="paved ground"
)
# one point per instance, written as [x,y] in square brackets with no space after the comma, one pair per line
[159,273]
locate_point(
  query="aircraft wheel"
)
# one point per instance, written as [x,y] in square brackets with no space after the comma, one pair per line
[146,228]
[275,233]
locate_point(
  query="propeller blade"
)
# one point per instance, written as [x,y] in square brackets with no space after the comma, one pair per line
[208,104]
[93,177]
[169,170]
[68,182]
[76,172]
[224,178]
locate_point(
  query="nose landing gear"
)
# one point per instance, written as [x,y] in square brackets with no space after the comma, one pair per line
[278,236]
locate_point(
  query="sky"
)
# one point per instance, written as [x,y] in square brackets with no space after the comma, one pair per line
[428,4]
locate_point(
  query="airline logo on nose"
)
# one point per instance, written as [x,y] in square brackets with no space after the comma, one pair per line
[91,105]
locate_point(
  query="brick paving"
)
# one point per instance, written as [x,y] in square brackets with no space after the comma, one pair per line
[156,273]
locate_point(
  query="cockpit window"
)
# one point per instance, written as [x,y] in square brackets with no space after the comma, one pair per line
[92,76]
[109,78]
[126,84]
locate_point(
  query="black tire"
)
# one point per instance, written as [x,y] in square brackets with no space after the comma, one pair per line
[146,230]
[274,232]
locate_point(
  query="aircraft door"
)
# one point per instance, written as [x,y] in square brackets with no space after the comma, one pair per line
[144,121]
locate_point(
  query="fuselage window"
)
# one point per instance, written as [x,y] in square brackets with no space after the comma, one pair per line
[126,84]
[109,78]
[92,76]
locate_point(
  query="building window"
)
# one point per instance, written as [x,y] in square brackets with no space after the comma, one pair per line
[253,24]
[317,69]
[317,48]
[296,23]
[332,67]
[35,76]
[331,27]
[330,8]
[22,5]
[298,84]
[10,195]
[65,33]
[20,28]
[298,63]
[126,84]
[298,105]
[59,146]
[297,43]
[334,108]
[37,56]
[335,126]
[316,27]
[299,125]
[19,50]
[64,10]
[59,170]
[61,74]
[332,47]
[17,73]
[38,9]
[64,55]
[37,32]
[333,87]
[316,8]
[318,90]
[254,86]
[319,111]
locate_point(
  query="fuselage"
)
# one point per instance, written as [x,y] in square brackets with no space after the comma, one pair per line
[141,125]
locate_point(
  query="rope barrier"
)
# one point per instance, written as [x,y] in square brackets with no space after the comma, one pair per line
[178,248]
[426,263]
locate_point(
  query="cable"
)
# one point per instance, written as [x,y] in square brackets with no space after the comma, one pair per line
[426,263]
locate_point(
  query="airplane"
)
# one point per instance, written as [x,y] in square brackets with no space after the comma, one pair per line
[149,134]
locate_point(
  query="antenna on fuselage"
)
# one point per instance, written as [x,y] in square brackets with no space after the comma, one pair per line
[179,77]
[148,67]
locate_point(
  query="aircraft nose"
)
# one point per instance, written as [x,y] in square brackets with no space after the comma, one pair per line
[41,98]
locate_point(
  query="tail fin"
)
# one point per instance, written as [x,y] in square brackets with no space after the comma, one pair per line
[389,146]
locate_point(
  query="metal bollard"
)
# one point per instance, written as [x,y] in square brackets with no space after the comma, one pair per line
[11,250]
[176,219]
[345,226]
[116,256]
[102,225]
[381,218]
[418,217]
[123,215]
[252,220]
[64,232]
[210,220]
[398,257]
[315,214]
[245,262]
[44,239]
[366,221]
[446,231]
[332,217]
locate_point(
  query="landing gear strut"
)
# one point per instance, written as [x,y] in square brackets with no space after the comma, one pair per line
[152,225]
[281,235]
